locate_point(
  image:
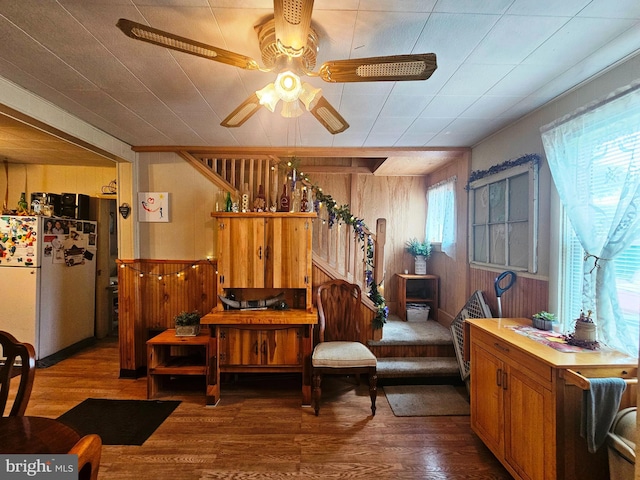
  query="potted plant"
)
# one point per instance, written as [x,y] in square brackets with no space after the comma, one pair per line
[585,328]
[187,324]
[544,320]
[420,252]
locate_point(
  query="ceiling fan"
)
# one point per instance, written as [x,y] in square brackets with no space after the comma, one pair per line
[289,46]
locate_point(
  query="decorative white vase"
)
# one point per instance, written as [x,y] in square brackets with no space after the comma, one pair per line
[420,265]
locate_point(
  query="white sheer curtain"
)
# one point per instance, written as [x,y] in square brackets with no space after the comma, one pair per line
[594,158]
[441,215]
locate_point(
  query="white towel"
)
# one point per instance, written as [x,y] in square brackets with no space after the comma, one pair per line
[600,404]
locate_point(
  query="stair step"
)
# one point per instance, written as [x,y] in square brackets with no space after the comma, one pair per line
[398,332]
[396,367]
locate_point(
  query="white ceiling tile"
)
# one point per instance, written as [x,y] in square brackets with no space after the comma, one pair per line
[473,79]
[566,8]
[404,105]
[567,46]
[386,33]
[473,6]
[437,35]
[508,43]
[603,9]
[448,106]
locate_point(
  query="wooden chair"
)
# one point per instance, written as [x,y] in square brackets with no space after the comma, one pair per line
[339,350]
[12,349]
[89,451]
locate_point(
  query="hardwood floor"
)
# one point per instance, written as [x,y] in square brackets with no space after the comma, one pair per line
[260,431]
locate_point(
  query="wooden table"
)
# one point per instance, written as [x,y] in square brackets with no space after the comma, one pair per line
[34,435]
[169,355]
[255,341]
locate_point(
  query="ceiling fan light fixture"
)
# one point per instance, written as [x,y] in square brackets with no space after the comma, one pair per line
[268,97]
[288,86]
[309,95]
[291,109]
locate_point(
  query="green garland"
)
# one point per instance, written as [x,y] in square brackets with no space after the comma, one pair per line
[341,213]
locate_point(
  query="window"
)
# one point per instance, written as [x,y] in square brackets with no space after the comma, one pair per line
[441,215]
[593,156]
[503,217]
[627,272]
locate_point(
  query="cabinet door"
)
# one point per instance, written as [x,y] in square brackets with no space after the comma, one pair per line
[241,252]
[240,346]
[487,398]
[288,252]
[282,347]
[530,443]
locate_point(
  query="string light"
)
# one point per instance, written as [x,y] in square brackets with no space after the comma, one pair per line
[177,273]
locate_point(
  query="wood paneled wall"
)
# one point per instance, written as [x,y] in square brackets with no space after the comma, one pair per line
[526,297]
[150,294]
[453,270]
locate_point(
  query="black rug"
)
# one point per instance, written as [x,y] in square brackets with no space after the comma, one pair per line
[118,422]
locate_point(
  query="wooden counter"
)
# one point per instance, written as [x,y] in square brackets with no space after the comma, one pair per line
[526,408]
[244,341]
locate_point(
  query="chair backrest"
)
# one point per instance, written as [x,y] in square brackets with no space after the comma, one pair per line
[12,349]
[339,311]
[89,451]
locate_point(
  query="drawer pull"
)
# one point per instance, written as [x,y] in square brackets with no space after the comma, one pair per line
[500,347]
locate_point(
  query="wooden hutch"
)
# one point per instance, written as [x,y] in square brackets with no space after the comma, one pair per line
[261,255]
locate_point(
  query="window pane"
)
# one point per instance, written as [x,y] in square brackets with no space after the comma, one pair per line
[497,253]
[519,244]
[481,205]
[497,201]
[480,244]
[519,198]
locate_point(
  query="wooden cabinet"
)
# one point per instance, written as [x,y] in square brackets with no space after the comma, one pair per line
[264,251]
[421,289]
[260,255]
[260,347]
[522,407]
[261,341]
[512,416]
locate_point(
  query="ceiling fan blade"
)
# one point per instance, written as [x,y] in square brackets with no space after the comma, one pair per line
[375,69]
[329,116]
[243,112]
[138,31]
[292,20]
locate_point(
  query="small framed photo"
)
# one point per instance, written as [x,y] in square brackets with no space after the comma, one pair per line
[153,206]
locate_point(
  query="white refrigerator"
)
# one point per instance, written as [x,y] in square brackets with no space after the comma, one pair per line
[47,280]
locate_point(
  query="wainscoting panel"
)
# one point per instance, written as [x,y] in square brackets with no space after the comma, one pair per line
[526,297]
[150,294]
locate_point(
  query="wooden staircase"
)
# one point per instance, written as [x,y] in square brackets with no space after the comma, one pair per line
[416,348]
[403,349]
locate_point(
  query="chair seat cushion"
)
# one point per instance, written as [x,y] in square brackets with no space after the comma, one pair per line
[342,355]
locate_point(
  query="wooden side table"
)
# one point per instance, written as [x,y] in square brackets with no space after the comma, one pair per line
[417,289]
[169,355]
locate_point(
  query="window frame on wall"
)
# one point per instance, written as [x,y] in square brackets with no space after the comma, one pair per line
[484,185]
[440,228]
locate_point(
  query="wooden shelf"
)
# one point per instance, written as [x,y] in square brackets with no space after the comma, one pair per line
[169,355]
[421,289]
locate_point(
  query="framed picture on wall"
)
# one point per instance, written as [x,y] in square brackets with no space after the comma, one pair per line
[153,206]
